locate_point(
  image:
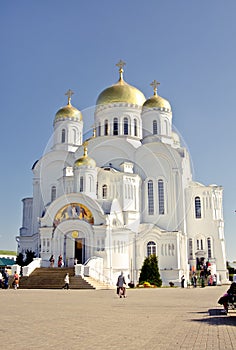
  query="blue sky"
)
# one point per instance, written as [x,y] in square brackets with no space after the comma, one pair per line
[49,46]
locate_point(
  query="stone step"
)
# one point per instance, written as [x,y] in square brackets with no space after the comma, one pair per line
[53,278]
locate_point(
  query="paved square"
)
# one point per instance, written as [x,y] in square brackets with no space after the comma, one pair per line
[166,318]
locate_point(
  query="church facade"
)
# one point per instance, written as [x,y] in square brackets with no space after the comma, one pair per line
[123,194]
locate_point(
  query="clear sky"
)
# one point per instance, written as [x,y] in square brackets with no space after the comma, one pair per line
[49,46]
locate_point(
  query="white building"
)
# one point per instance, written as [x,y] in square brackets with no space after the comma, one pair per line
[125,193]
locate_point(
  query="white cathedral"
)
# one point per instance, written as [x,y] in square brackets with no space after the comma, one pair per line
[123,194]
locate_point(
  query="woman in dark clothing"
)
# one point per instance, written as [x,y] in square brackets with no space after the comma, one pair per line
[226,298]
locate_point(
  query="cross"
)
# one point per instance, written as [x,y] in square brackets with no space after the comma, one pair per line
[155,84]
[69,93]
[121,65]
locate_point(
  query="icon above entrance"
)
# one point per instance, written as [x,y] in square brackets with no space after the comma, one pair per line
[73,211]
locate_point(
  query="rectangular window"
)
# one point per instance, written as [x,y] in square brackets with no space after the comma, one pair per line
[209,248]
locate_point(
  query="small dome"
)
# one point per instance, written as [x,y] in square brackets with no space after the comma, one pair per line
[68,111]
[85,160]
[156,101]
[121,92]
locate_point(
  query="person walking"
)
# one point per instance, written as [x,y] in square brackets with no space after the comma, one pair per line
[6,279]
[121,290]
[15,283]
[182,281]
[67,282]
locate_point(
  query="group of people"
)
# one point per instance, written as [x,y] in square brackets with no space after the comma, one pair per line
[60,262]
[4,280]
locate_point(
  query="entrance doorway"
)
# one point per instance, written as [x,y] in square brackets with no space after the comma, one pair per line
[79,250]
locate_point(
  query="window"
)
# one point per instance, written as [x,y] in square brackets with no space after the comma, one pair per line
[74,136]
[135,128]
[150,198]
[126,126]
[99,129]
[104,191]
[197,208]
[209,248]
[81,184]
[151,248]
[154,126]
[106,128]
[161,199]
[190,247]
[199,244]
[115,126]
[63,136]
[53,193]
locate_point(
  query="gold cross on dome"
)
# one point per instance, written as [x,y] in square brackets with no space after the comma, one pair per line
[69,93]
[155,84]
[121,65]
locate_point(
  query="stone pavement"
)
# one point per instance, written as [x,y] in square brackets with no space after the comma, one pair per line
[152,319]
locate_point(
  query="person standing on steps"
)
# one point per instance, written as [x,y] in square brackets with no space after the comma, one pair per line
[52,260]
[67,282]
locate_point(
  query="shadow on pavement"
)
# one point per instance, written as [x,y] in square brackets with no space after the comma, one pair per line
[217,317]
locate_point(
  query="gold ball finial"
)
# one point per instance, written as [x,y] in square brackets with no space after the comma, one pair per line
[69,93]
[121,65]
[155,84]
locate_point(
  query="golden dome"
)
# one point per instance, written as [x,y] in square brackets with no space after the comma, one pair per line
[156,101]
[85,160]
[68,111]
[121,92]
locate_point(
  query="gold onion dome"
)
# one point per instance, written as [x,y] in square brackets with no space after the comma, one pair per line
[68,111]
[156,101]
[121,92]
[85,160]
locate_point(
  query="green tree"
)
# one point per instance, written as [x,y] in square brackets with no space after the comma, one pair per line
[30,255]
[150,271]
[20,259]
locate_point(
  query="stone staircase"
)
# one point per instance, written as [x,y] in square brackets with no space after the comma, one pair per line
[53,278]
[97,284]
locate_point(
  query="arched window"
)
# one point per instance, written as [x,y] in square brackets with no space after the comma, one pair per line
[198,208]
[209,249]
[104,191]
[53,193]
[154,126]
[115,126]
[165,127]
[161,198]
[90,184]
[150,198]
[63,136]
[74,136]
[99,129]
[106,128]
[126,126]
[135,128]
[200,244]
[151,248]
[81,184]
